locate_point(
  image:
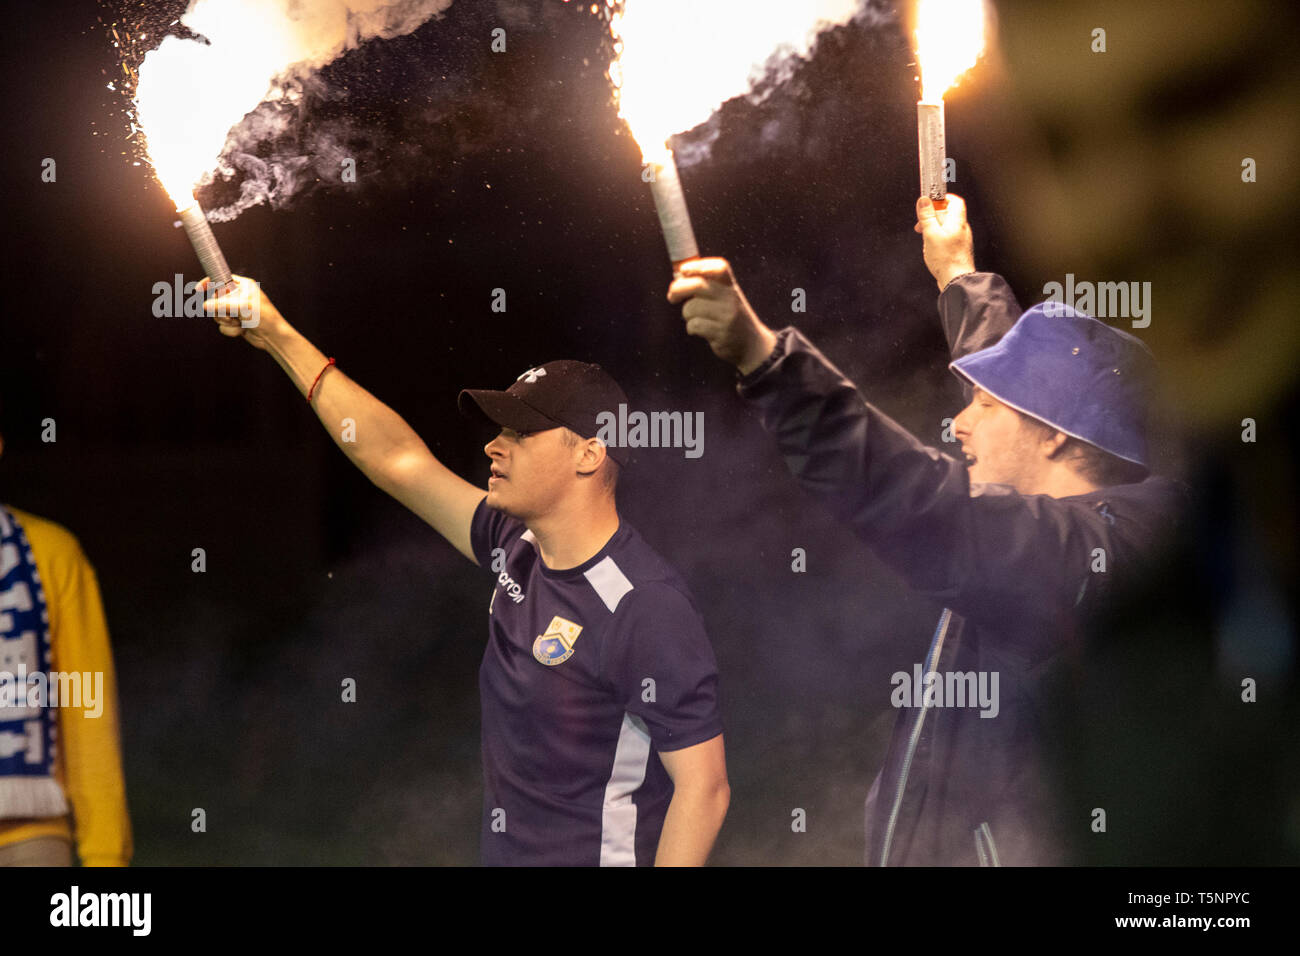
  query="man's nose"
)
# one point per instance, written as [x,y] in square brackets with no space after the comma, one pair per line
[961,424]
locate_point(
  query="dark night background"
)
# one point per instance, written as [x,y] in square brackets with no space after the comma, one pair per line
[480,171]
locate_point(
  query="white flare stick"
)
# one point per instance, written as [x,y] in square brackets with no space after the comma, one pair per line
[930,144]
[205,245]
[670,203]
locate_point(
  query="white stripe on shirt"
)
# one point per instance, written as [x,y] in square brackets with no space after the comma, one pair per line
[618,815]
[610,583]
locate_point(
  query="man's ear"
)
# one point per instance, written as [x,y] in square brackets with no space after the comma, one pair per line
[593,455]
[1055,442]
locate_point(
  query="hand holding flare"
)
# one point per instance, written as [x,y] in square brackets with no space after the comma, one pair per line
[947,247]
[718,312]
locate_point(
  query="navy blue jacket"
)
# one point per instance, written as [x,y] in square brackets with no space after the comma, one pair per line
[1014,572]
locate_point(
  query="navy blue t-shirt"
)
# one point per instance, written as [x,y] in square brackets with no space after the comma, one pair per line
[588,673]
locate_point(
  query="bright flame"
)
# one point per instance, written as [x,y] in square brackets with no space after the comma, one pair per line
[949,39]
[679,60]
[191,94]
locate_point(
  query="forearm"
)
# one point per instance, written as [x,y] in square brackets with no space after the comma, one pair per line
[900,496]
[860,462]
[691,825]
[758,349]
[376,438]
[976,309]
[914,505]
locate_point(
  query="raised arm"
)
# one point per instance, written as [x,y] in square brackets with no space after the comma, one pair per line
[985,555]
[386,449]
[976,308]
[981,554]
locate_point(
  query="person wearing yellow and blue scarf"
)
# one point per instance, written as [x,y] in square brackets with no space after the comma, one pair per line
[60,766]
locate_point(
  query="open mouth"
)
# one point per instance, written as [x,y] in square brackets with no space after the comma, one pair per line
[970,459]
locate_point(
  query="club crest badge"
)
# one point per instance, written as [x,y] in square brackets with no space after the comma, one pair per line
[556,645]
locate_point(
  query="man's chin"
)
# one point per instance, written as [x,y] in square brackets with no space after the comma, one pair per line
[495,500]
[978,476]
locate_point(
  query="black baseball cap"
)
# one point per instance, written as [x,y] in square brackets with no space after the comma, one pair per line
[559,394]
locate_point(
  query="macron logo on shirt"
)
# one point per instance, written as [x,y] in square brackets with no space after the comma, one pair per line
[511,587]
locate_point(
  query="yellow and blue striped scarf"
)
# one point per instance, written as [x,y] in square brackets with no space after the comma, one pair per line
[27,733]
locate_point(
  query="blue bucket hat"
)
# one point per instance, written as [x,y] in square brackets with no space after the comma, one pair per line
[1077,374]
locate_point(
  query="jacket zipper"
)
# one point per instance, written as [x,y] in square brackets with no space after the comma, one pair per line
[936,647]
[983,831]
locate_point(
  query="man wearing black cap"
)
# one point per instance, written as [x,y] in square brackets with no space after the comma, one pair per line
[602,740]
[1051,506]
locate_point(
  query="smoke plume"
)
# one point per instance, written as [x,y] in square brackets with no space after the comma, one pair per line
[195,90]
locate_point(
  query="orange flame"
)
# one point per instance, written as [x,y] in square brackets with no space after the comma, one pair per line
[949,39]
[679,60]
[190,94]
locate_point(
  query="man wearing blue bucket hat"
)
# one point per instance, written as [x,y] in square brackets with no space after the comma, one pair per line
[1050,507]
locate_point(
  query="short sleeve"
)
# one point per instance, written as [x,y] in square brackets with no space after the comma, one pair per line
[491,529]
[661,665]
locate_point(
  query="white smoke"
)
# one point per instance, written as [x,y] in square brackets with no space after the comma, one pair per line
[251,52]
[682,59]
[770,77]
[308,33]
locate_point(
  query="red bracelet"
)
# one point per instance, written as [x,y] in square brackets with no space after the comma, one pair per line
[317,382]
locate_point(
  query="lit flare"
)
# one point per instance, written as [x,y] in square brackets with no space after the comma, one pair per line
[949,41]
[677,61]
